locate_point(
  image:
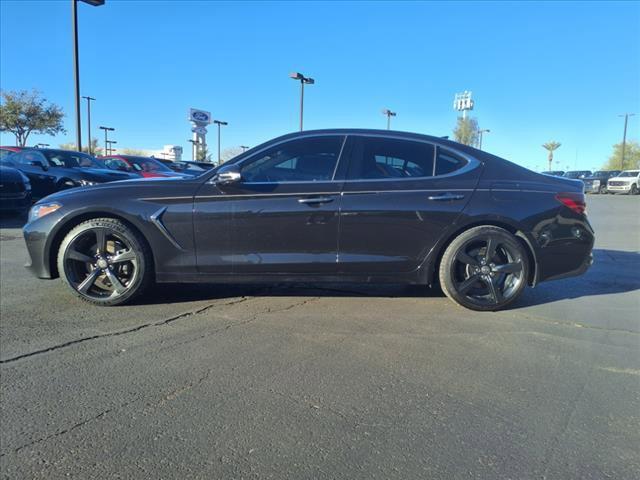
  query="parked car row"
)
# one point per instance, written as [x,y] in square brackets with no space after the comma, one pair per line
[28,174]
[604,181]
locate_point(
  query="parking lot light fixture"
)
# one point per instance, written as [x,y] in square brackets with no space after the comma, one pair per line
[89,99]
[110,149]
[303,81]
[106,137]
[42,145]
[389,114]
[76,63]
[244,148]
[219,123]
[480,134]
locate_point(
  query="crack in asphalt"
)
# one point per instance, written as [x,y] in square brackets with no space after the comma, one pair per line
[122,332]
[166,398]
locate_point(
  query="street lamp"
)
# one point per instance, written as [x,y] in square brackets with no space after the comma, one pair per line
[194,149]
[89,123]
[303,80]
[219,123]
[110,150]
[106,140]
[624,136]
[389,114]
[244,148]
[480,132]
[76,62]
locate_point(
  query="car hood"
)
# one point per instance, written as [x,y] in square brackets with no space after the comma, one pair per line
[624,179]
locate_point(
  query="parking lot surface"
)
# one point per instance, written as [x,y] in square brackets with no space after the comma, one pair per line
[311,381]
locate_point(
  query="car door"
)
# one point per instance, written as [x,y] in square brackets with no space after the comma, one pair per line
[35,166]
[283,212]
[399,197]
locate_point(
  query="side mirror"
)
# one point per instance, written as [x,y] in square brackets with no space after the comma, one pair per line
[227,175]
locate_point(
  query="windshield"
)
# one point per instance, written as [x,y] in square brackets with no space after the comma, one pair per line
[145,164]
[576,174]
[630,173]
[71,159]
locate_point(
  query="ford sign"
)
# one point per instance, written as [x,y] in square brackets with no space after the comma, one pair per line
[199,116]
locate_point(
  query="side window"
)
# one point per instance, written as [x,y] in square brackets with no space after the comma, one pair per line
[447,162]
[303,160]
[381,158]
[116,164]
[27,157]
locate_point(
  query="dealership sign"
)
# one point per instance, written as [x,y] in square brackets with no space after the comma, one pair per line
[199,130]
[199,117]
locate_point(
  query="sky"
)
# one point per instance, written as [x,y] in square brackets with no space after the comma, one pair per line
[538,71]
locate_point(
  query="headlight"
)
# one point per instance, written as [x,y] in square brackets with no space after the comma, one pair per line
[39,211]
[86,183]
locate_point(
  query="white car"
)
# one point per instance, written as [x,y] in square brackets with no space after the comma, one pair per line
[626,182]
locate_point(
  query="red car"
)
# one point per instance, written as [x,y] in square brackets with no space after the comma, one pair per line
[4,151]
[143,166]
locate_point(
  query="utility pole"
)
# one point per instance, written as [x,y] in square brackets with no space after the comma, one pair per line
[89,123]
[624,136]
[303,80]
[219,123]
[389,114]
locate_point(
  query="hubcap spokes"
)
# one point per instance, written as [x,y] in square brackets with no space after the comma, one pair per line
[487,271]
[100,263]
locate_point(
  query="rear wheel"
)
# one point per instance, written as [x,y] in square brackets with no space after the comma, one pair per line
[603,189]
[484,268]
[105,262]
[634,190]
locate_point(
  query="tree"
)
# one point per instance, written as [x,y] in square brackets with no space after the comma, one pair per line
[202,154]
[133,151]
[466,131]
[631,157]
[24,112]
[551,146]
[229,153]
[95,149]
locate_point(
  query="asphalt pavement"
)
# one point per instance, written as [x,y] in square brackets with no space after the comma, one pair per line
[320,382]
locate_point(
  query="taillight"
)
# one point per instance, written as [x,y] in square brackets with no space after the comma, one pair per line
[575,201]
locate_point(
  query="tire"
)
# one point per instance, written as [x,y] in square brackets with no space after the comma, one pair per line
[484,268]
[603,190]
[105,262]
[634,190]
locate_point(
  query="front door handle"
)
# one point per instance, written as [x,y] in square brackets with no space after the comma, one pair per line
[315,200]
[443,197]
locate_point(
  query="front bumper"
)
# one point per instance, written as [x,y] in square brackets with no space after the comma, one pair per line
[619,188]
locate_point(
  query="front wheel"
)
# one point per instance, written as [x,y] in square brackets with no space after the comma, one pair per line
[634,190]
[105,262]
[603,189]
[485,268]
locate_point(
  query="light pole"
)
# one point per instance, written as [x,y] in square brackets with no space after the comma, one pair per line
[480,133]
[76,63]
[389,114]
[42,145]
[624,136]
[303,80]
[194,149]
[219,123]
[106,140]
[89,123]
[244,148]
[110,149]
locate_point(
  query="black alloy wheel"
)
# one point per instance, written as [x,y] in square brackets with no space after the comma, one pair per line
[484,268]
[105,261]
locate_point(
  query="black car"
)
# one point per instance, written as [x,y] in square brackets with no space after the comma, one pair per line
[193,169]
[555,173]
[597,182]
[15,191]
[329,205]
[51,170]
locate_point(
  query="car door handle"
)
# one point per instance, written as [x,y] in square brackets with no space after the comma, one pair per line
[446,196]
[315,200]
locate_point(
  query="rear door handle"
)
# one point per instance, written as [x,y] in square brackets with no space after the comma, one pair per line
[315,200]
[446,196]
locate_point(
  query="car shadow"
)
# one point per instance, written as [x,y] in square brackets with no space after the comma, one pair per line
[613,271]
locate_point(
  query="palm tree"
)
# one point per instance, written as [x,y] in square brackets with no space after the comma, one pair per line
[551,146]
